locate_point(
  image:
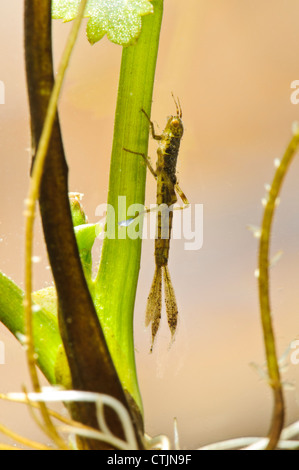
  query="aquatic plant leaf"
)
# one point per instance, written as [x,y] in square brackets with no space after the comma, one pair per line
[119,19]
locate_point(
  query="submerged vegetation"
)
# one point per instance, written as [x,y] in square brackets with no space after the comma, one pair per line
[80,333]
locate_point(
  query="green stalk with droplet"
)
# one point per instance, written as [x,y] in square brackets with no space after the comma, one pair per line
[116,282]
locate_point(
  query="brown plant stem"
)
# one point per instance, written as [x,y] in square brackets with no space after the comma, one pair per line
[264,297]
[90,363]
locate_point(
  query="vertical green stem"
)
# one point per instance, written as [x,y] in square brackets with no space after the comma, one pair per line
[269,340]
[116,281]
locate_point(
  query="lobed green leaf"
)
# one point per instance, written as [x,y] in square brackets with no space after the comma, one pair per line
[119,19]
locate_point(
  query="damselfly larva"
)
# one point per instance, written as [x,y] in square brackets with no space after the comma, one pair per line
[167,187]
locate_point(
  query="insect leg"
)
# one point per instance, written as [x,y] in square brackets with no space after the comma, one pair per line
[146,159]
[154,135]
[126,223]
[183,198]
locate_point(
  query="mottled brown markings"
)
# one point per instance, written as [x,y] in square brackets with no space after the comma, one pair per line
[167,187]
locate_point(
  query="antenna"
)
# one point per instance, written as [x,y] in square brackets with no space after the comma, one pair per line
[178,106]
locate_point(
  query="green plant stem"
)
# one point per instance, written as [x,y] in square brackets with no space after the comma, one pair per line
[47,339]
[265,309]
[116,282]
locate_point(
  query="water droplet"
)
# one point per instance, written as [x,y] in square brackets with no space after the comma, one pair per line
[36,308]
[267,187]
[29,203]
[264,201]
[21,337]
[36,259]
[257,273]
[256,231]
[295,127]
[277,162]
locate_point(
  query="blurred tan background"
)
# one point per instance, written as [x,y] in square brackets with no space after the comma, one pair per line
[231,63]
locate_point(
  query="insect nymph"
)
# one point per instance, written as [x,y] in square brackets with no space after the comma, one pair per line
[167,190]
